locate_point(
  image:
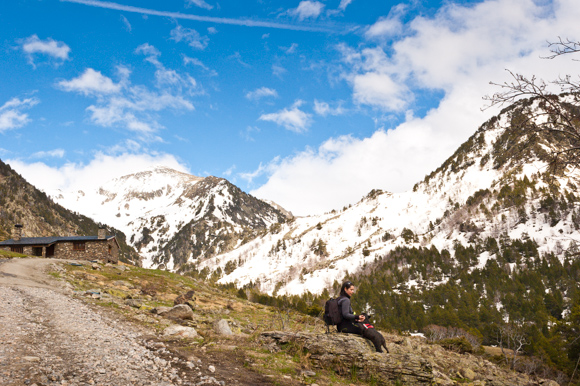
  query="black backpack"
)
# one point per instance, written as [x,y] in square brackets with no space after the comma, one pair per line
[332,313]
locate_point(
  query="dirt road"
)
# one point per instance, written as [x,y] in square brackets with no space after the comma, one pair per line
[48,337]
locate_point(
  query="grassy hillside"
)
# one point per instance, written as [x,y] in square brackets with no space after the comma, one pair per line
[246,357]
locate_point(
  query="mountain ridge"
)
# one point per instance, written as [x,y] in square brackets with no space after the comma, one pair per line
[174,218]
[496,167]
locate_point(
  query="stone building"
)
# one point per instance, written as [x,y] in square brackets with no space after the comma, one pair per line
[100,247]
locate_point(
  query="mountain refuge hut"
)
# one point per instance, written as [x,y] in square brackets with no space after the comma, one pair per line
[100,247]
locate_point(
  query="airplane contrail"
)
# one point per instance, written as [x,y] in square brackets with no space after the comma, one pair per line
[208,19]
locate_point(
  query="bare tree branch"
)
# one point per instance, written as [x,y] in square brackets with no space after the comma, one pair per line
[555,119]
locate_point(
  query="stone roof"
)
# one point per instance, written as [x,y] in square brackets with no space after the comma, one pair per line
[46,241]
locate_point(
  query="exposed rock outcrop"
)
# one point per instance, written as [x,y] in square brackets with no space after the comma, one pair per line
[411,361]
[346,353]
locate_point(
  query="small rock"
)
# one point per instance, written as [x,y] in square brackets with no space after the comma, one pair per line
[193,358]
[31,359]
[211,369]
[183,298]
[181,311]
[180,331]
[308,373]
[123,283]
[223,328]
[468,373]
[135,303]
[160,310]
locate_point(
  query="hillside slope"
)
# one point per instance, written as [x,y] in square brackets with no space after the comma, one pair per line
[174,218]
[495,185]
[22,203]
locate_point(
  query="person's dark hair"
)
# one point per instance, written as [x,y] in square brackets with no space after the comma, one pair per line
[345,285]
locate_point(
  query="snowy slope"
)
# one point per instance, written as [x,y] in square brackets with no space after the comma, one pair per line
[153,206]
[310,253]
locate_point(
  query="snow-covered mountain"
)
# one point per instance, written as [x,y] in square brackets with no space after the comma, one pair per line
[495,185]
[173,218]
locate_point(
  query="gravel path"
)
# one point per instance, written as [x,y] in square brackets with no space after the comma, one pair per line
[49,338]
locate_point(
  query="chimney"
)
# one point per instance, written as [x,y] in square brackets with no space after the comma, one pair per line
[101,235]
[17,232]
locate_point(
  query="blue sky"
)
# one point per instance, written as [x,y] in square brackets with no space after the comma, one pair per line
[307,103]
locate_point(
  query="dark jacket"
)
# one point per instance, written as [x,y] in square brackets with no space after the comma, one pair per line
[346,309]
[348,317]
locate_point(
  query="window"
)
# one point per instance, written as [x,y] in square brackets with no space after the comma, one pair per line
[17,249]
[78,245]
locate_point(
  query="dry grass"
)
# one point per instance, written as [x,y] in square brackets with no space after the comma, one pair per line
[247,320]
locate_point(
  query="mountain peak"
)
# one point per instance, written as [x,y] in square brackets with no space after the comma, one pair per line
[174,217]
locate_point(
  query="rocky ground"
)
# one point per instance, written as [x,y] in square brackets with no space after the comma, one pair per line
[48,337]
[115,325]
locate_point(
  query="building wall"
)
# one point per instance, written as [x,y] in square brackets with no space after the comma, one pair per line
[94,250]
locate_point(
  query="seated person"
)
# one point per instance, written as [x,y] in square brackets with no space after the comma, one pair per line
[348,317]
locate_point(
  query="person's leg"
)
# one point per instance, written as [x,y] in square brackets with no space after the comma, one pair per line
[350,328]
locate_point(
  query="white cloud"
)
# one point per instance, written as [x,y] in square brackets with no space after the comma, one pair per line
[133,106]
[456,52]
[148,50]
[324,109]
[307,10]
[238,58]
[278,70]
[292,119]
[102,168]
[379,90]
[126,23]
[247,134]
[196,62]
[212,30]
[291,49]
[11,115]
[56,50]
[200,4]
[90,82]
[56,153]
[385,27]
[190,36]
[343,4]
[261,92]
[230,170]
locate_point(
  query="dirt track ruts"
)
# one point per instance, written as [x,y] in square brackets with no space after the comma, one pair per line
[48,337]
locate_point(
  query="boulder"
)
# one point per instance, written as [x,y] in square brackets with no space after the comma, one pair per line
[180,311]
[135,303]
[185,298]
[468,373]
[345,353]
[160,310]
[180,331]
[222,327]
